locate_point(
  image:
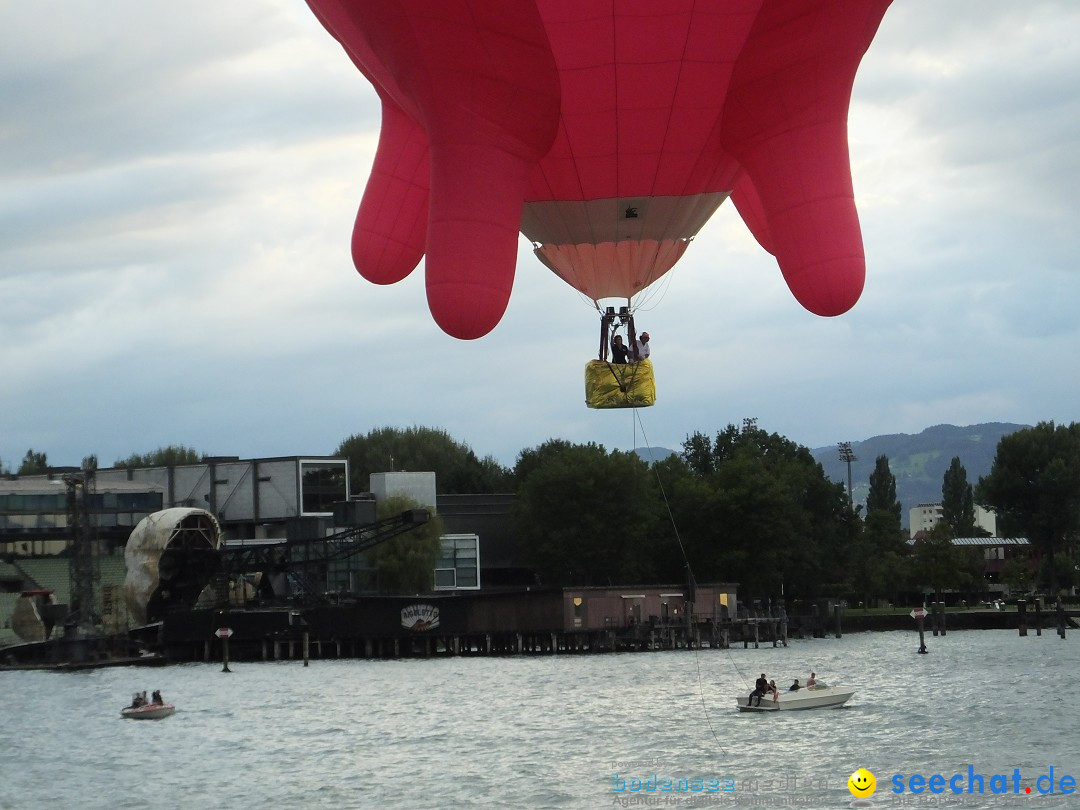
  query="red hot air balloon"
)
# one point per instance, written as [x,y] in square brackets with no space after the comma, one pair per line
[608,133]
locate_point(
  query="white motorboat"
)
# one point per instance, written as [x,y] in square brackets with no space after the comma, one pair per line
[148,711]
[811,697]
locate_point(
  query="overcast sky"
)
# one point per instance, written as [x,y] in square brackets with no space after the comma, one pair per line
[177,189]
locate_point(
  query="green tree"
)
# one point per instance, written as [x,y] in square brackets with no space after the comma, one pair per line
[958,501]
[935,559]
[167,456]
[585,517]
[1062,570]
[406,564]
[765,513]
[1034,487]
[882,494]
[532,459]
[682,519]
[33,464]
[457,468]
[698,454]
[1018,573]
[878,559]
[882,526]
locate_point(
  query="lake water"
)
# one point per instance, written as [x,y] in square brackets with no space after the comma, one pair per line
[555,731]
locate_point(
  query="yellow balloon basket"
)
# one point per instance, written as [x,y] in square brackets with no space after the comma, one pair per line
[619,385]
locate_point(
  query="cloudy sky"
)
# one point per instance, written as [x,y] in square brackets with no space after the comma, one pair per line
[177,190]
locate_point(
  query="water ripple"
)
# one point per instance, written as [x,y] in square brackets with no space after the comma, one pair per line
[545,732]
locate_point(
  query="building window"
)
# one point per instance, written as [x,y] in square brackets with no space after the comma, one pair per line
[322,484]
[458,566]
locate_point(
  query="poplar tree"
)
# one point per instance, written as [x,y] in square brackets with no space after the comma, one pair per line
[882,495]
[958,501]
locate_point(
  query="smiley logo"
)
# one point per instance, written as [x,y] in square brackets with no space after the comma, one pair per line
[862,783]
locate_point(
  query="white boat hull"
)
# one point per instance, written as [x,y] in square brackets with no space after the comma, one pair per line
[826,697]
[151,711]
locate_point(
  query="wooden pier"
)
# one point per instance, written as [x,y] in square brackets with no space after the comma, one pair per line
[296,642]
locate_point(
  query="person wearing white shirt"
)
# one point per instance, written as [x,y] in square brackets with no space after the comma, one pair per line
[641,344]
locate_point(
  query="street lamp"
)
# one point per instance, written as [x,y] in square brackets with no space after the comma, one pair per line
[848,455]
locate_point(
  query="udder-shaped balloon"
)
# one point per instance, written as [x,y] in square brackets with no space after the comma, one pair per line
[608,133]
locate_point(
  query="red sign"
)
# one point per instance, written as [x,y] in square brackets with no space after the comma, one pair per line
[918,613]
[223,632]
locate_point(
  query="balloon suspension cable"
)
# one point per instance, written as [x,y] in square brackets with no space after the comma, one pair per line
[689,573]
[608,330]
[605,328]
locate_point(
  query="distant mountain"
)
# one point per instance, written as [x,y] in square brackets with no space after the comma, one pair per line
[918,461]
[651,454]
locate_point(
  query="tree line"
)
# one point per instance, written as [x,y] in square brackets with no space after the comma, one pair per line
[742,505]
[753,507]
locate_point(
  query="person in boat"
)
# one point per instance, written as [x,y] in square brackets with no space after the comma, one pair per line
[157,697]
[811,682]
[795,686]
[774,690]
[641,344]
[619,352]
[136,700]
[761,686]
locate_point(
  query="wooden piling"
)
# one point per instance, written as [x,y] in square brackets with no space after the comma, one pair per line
[1021,612]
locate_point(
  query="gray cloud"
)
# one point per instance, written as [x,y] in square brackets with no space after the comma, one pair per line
[177,187]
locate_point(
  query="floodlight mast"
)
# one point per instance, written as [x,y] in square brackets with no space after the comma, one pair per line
[848,455]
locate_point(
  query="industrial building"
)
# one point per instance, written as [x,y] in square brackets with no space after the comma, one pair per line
[272,545]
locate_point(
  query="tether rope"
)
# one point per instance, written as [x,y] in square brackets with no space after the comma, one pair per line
[689,571]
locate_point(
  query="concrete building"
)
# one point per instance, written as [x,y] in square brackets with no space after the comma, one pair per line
[418,486]
[489,519]
[925,516]
[35,513]
[252,499]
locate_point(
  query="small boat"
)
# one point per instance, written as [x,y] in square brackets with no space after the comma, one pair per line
[148,711]
[811,697]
